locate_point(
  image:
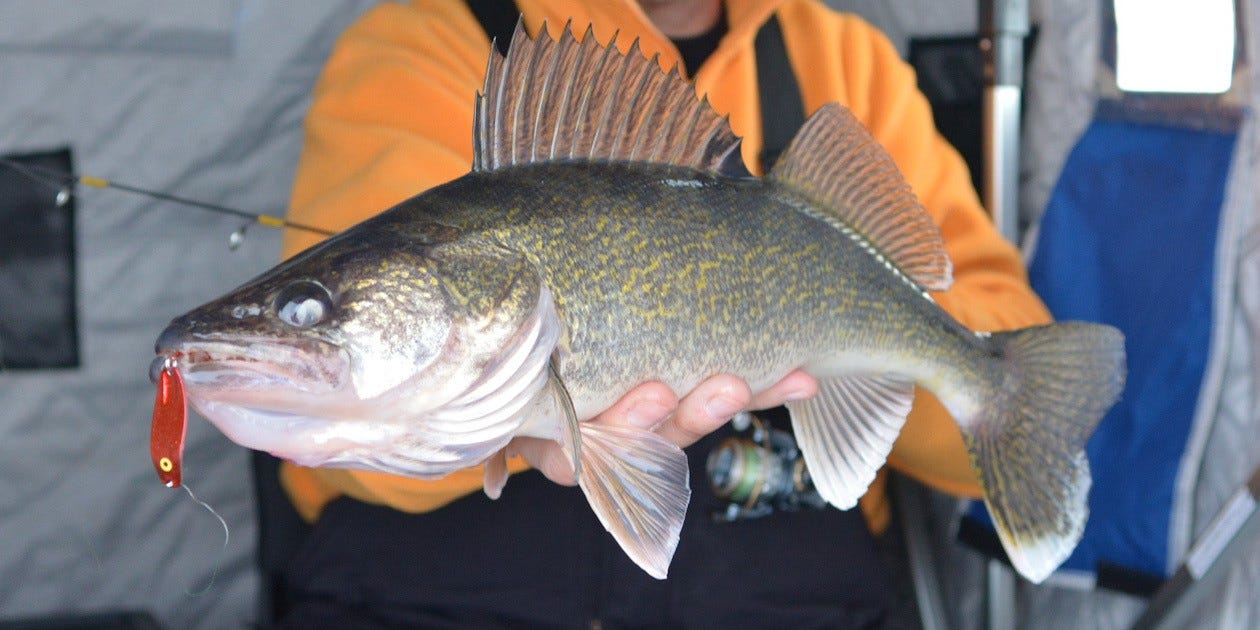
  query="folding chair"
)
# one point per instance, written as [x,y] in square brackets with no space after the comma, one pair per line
[1137,234]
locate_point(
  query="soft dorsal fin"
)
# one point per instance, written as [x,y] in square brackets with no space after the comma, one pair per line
[564,99]
[838,163]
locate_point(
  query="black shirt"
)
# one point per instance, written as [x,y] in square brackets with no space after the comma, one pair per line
[696,49]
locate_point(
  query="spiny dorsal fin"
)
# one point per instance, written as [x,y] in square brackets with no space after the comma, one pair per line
[564,99]
[841,166]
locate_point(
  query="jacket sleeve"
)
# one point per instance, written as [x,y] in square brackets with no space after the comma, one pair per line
[990,290]
[391,117]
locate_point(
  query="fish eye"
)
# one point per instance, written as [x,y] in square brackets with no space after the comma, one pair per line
[303,304]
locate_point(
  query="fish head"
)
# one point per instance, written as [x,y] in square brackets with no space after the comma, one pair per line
[293,361]
[405,349]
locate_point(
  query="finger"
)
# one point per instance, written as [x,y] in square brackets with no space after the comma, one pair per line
[546,457]
[797,385]
[707,407]
[645,407]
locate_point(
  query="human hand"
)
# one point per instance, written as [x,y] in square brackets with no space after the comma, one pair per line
[656,407]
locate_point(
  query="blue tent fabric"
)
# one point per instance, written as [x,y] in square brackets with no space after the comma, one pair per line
[1129,238]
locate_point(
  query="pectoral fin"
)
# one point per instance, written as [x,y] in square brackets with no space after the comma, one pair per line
[847,431]
[552,417]
[570,437]
[636,481]
[552,402]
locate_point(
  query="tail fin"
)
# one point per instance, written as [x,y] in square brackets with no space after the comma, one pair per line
[1030,450]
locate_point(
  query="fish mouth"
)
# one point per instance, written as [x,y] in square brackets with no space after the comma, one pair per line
[295,436]
[253,370]
[336,442]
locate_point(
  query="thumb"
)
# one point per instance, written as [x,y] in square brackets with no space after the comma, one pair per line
[546,457]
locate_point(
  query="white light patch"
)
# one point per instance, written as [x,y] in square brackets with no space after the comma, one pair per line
[683,183]
[1175,46]
[241,312]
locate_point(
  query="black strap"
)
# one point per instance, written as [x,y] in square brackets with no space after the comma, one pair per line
[782,109]
[498,19]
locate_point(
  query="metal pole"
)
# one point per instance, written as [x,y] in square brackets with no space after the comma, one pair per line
[1237,524]
[927,581]
[999,596]
[1003,27]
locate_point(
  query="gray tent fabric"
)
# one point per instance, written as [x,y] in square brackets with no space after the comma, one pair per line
[205,100]
[1060,94]
[902,20]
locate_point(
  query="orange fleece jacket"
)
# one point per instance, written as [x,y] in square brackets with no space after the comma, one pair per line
[392,116]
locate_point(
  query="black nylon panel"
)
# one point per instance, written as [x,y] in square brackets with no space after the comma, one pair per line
[38,319]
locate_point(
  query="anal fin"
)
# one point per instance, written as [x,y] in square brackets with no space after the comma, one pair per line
[847,431]
[637,484]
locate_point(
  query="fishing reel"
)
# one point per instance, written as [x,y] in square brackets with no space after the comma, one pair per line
[759,471]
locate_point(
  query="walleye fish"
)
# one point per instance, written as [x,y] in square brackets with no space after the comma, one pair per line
[602,240]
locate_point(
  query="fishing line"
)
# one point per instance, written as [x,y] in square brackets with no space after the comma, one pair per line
[61,181]
[227,535]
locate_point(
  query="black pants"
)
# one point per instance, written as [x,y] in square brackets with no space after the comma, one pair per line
[539,558]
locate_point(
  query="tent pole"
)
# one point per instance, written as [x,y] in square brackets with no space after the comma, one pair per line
[1003,27]
[1235,526]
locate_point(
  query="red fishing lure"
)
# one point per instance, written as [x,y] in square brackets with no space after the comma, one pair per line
[170,426]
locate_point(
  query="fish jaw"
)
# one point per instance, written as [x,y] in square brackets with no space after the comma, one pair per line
[302,439]
[297,399]
[265,393]
[252,369]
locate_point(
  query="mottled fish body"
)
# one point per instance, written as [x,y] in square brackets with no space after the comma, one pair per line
[672,274]
[602,241]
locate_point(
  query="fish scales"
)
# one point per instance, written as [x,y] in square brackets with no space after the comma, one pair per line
[663,273]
